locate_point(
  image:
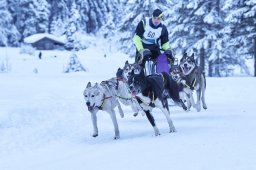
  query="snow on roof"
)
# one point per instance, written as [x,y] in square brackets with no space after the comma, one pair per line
[36,37]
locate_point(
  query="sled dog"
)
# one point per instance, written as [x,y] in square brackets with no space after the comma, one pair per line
[194,80]
[185,94]
[126,72]
[149,92]
[101,97]
[171,88]
[123,94]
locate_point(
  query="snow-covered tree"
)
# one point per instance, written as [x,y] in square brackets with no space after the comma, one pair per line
[57,27]
[240,31]
[32,17]
[221,33]
[194,27]
[42,16]
[59,9]
[74,65]
[26,18]
[8,31]
[59,15]
[72,27]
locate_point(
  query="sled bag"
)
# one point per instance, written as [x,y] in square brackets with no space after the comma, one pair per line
[162,64]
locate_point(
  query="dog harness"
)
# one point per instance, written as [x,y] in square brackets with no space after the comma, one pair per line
[124,98]
[121,79]
[192,84]
[103,100]
[148,104]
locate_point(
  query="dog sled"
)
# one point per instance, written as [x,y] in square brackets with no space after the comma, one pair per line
[161,64]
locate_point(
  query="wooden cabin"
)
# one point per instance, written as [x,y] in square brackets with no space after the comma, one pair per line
[45,41]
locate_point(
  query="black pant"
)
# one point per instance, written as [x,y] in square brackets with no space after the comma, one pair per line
[155,53]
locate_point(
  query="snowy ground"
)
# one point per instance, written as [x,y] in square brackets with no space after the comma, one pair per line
[45,125]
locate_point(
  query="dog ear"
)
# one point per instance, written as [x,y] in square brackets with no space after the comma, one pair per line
[88,85]
[192,55]
[126,62]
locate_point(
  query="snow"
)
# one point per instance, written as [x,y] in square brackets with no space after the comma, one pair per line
[210,18]
[45,125]
[36,37]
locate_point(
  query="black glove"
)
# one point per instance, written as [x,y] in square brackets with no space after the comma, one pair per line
[145,55]
[169,55]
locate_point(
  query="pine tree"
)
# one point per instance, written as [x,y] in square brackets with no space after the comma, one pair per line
[250,20]
[195,27]
[26,22]
[59,15]
[72,28]
[8,32]
[240,31]
[42,16]
[74,65]
[182,26]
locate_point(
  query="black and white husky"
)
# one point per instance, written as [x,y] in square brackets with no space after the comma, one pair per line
[101,97]
[193,79]
[149,92]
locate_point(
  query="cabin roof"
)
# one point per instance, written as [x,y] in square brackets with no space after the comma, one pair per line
[37,37]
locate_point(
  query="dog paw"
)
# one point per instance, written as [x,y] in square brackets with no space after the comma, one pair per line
[184,107]
[135,114]
[116,137]
[173,130]
[204,106]
[94,135]
[158,134]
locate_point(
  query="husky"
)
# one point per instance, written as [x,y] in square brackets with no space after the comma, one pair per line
[194,80]
[149,92]
[185,94]
[123,94]
[125,73]
[171,89]
[101,97]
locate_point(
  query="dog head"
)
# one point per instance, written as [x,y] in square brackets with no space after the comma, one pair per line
[119,74]
[187,64]
[127,70]
[93,96]
[134,84]
[176,72]
[137,68]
